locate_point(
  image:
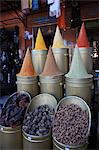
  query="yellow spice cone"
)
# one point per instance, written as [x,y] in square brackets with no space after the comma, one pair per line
[58,41]
[27,68]
[40,44]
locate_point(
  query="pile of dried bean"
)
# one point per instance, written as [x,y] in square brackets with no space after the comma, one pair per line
[70,125]
[39,121]
[12,114]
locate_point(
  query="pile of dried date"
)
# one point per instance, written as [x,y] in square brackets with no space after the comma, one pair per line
[12,114]
[39,121]
[70,125]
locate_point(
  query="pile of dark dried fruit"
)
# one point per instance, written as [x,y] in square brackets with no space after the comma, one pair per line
[39,121]
[12,114]
[70,125]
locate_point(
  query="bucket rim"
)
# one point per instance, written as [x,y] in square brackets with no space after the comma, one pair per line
[51,76]
[77,78]
[32,137]
[39,51]
[17,75]
[10,129]
[68,146]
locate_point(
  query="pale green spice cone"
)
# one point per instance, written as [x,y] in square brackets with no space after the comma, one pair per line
[77,69]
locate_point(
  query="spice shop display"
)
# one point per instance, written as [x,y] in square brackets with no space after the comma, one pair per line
[78,81]
[71,124]
[11,119]
[39,53]
[37,123]
[51,79]
[85,49]
[27,78]
[61,53]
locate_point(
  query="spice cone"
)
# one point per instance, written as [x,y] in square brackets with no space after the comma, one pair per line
[77,69]
[58,41]
[50,68]
[40,44]
[82,40]
[27,68]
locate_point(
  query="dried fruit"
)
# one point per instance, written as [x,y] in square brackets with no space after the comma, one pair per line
[70,125]
[13,112]
[39,121]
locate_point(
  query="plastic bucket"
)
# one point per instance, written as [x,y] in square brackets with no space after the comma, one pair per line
[62,58]
[52,85]
[38,59]
[11,138]
[31,142]
[79,87]
[81,103]
[28,84]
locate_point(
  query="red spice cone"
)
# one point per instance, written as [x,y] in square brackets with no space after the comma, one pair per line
[82,40]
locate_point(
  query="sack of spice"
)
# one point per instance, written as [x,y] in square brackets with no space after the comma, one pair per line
[71,123]
[13,111]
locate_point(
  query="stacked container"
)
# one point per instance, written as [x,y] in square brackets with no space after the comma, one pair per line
[85,49]
[83,105]
[32,142]
[78,81]
[11,137]
[51,79]
[39,53]
[61,53]
[27,79]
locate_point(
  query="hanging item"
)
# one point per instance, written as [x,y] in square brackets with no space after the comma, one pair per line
[25,6]
[50,2]
[34,4]
[61,20]
[55,9]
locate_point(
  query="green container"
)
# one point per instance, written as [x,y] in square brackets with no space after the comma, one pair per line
[81,103]
[11,138]
[31,142]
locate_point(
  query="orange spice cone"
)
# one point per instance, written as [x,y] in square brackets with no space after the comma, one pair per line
[40,44]
[27,68]
[82,40]
[50,68]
